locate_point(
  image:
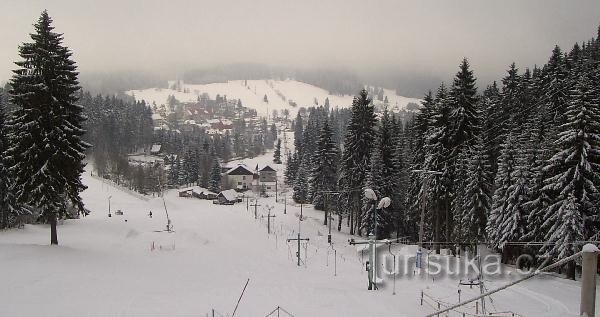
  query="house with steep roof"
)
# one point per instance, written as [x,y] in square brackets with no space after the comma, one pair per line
[267,174]
[239,178]
[226,197]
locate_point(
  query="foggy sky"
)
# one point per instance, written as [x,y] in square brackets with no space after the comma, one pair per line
[368,36]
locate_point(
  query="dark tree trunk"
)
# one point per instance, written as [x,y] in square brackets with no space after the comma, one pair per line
[436,230]
[351,219]
[339,221]
[358,220]
[571,270]
[53,234]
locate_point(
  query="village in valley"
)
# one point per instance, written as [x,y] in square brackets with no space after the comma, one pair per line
[300,159]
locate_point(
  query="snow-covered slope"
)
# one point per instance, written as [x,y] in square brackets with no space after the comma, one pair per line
[121,266]
[279,94]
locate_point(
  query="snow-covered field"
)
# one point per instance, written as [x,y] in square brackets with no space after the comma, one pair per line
[124,266]
[279,93]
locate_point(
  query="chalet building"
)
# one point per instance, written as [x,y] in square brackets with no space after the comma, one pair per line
[239,177]
[226,197]
[267,174]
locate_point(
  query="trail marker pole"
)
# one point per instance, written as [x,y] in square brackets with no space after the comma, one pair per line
[298,239]
[335,262]
[109,197]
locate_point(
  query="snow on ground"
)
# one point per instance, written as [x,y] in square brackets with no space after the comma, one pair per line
[279,93]
[124,265]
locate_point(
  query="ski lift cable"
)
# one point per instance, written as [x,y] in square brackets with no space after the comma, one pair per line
[486,294]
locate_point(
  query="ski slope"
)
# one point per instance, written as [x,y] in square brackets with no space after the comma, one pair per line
[279,93]
[124,265]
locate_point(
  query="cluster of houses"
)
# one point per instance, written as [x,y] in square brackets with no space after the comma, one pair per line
[237,182]
[214,116]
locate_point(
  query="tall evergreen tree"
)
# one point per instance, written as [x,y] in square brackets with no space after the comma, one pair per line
[324,173]
[574,169]
[214,183]
[8,210]
[301,185]
[506,221]
[478,190]
[46,148]
[277,153]
[356,158]
[464,116]
[382,176]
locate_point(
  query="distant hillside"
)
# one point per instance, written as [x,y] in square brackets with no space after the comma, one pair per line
[281,94]
[335,81]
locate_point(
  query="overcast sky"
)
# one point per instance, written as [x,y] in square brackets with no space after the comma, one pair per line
[422,37]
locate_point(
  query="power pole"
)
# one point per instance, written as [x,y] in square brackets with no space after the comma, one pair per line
[269,216]
[423,208]
[255,208]
[298,251]
[328,220]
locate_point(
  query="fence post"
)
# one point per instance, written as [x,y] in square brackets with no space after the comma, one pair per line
[589,265]
[421,297]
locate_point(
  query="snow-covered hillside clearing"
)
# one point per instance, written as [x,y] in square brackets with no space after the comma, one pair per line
[279,95]
[121,266]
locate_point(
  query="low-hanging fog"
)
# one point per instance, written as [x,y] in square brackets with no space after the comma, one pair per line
[386,42]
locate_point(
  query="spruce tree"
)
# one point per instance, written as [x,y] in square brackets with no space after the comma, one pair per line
[8,210]
[506,221]
[277,153]
[47,151]
[356,158]
[573,181]
[298,130]
[382,177]
[478,190]
[324,173]
[464,116]
[401,173]
[301,185]
[436,146]
[214,183]
[290,169]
